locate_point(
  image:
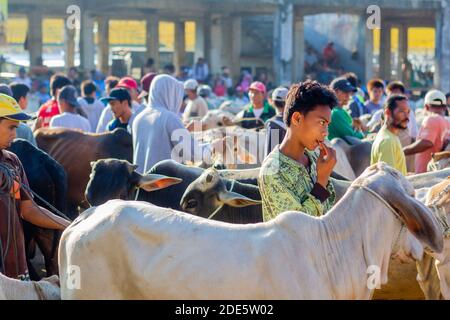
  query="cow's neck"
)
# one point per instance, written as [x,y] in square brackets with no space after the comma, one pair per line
[359,226]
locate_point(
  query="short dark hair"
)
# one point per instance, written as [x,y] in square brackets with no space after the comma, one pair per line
[279,104]
[447,95]
[88,87]
[305,96]
[352,78]
[57,81]
[375,83]
[396,85]
[111,82]
[391,102]
[19,90]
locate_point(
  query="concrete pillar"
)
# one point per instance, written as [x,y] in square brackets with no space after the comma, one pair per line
[229,33]
[69,40]
[365,49]
[87,45]
[385,51]
[215,52]
[208,40]
[442,74]
[103,44]
[152,39]
[402,52]
[179,54]
[34,39]
[283,56]
[200,37]
[299,50]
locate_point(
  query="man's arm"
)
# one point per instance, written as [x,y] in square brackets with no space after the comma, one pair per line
[38,123]
[41,217]
[343,129]
[418,146]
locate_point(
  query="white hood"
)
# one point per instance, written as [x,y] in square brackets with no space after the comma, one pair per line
[166,92]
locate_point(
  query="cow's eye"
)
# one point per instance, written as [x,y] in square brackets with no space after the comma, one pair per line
[191,204]
[209,178]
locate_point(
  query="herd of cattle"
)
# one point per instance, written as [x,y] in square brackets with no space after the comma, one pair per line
[162,247]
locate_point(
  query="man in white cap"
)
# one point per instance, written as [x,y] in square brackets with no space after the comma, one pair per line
[433,134]
[276,129]
[196,105]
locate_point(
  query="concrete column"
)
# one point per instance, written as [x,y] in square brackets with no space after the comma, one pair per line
[152,39]
[87,45]
[215,54]
[200,37]
[208,42]
[34,39]
[103,44]
[402,52]
[283,56]
[179,54]
[442,74]
[365,50]
[299,50]
[69,39]
[385,51]
[230,49]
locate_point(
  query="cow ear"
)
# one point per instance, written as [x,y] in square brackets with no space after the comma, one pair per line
[416,216]
[152,182]
[234,199]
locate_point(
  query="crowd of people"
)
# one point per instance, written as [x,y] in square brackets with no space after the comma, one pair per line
[160,112]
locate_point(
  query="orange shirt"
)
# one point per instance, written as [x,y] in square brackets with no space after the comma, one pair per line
[435,128]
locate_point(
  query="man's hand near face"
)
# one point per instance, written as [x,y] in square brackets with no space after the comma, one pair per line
[325,164]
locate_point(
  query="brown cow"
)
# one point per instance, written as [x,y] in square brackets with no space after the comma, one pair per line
[75,151]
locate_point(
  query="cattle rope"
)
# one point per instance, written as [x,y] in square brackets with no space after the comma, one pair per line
[395,246]
[222,204]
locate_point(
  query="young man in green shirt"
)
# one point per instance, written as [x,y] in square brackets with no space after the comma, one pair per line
[293,177]
[341,121]
[387,147]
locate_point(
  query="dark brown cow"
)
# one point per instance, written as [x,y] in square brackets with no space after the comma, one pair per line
[75,151]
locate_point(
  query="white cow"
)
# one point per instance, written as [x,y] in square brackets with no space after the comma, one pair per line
[46,289]
[409,279]
[133,250]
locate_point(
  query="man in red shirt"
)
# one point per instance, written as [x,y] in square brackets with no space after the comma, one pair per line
[16,203]
[50,109]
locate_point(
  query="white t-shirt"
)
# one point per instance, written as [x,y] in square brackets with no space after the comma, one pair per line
[70,121]
[195,108]
[93,111]
[258,112]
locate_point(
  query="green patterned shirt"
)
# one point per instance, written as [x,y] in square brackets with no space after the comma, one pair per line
[286,185]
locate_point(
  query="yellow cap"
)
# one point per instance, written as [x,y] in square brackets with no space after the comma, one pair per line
[10,109]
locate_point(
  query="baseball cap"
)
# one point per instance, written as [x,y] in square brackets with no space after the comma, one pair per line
[128,83]
[146,81]
[69,94]
[258,86]
[435,98]
[191,84]
[279,94]
[342,84]
[120,94]
[204,90]
[10,109]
